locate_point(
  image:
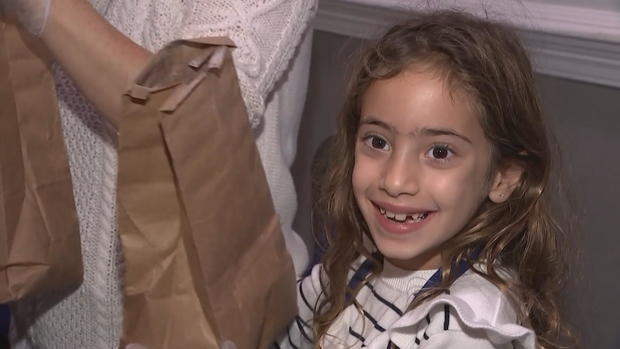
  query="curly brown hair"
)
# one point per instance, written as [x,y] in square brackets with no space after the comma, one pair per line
[486,60]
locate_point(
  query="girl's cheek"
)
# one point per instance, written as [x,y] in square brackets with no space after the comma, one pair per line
[453,181]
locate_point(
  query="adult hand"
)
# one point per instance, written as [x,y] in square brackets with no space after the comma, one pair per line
[32,14]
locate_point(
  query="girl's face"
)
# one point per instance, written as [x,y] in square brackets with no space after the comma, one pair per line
[421,166]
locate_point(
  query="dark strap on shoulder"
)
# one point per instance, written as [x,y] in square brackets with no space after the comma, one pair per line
[360,274]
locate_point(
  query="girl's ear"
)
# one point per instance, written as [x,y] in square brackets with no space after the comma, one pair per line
[505,180]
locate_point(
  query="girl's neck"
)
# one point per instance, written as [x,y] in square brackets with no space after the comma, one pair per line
[394,270]
[403,279]
[426,261]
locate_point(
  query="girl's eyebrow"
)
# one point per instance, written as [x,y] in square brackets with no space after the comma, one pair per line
[424,131]
[442,132]
[371,120]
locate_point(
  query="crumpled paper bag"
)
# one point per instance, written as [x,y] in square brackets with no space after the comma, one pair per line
[205,261]
[39,236]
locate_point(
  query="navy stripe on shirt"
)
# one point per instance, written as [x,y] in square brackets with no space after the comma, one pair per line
[303,296]
[301,324]
[357,335]
[374,322]
[288,330]
[384,301]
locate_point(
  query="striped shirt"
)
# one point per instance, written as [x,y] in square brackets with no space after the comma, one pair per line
[383,321]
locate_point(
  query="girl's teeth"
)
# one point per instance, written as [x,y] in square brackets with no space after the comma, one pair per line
[401,217]
[416,217]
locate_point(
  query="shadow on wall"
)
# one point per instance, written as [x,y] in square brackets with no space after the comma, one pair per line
[329,68]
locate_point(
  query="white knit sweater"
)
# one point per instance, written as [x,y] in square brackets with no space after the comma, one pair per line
[267,33]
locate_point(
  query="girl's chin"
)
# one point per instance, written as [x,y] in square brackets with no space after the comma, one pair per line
[408,256]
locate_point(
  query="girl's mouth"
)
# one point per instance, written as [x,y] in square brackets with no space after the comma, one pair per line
[404,217]
[401,222]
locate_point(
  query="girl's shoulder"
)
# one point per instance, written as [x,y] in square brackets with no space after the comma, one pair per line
[485,299]
[474,308]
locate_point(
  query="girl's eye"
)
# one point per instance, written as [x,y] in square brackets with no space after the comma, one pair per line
[440,152]
[376,142]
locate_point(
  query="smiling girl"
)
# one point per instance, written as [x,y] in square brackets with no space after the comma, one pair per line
[441,235]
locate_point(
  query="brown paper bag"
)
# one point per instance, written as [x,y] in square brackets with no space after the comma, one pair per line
[39,237]
[205,258]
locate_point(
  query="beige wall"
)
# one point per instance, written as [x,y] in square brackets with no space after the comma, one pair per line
[586,121]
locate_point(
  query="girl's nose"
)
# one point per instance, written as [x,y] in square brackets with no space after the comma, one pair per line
[400,176]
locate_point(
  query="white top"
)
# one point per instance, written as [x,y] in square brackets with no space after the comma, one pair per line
[267,33]
[476,315]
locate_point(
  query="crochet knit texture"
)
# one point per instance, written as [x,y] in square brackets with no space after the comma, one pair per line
[266,33]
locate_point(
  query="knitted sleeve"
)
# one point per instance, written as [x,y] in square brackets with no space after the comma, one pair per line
[266,33]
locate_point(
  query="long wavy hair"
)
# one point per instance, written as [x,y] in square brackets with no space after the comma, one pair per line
[486,60]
